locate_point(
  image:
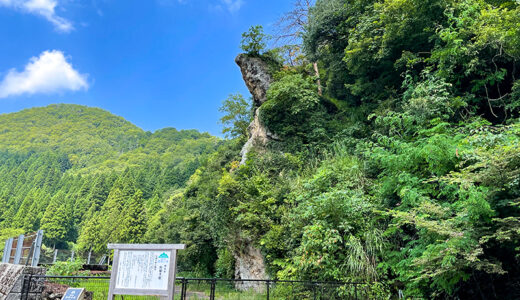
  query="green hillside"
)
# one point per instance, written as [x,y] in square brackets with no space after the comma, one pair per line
[94,138]
[60,164]
[91,133]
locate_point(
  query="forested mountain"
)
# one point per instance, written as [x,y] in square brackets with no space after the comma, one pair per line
[76,172]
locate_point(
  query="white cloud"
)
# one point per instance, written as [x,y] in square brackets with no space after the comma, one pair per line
[49,73]
[233,5]
[215,5]
[230,5]
[44,8]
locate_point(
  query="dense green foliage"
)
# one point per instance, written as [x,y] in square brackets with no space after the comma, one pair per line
[403,173]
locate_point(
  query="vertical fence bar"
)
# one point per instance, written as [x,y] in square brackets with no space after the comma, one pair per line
[315,291]
[26,286]
[23,288]
[183,288]
[267,285]
[212,289]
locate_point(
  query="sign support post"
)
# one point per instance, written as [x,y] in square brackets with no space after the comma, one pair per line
[144,269]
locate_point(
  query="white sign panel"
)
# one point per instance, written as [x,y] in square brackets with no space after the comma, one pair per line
[143,270]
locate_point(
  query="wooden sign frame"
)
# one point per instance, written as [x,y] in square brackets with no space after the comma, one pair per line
[166,294]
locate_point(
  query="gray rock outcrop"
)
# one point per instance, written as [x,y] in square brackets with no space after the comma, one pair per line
[249,261]
[249,264]
[258,79]
[255,73]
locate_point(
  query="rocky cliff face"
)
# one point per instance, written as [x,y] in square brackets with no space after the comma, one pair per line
[249,261]
[249,264]
[258,80]
[256,76]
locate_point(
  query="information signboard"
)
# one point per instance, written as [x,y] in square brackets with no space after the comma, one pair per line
[143,269]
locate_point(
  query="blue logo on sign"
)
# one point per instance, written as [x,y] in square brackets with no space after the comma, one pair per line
[163,259]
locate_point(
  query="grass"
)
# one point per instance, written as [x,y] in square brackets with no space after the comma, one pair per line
[99,288]
[201,290]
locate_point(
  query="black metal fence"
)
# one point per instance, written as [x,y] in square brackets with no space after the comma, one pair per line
[51,287]
[49,257]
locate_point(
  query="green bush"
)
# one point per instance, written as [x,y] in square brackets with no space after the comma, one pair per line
[225,264]
[293,110]
[67,268]
[254,40]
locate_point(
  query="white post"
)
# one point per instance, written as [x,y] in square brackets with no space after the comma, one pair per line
[55,256]
[7,251]
[19,249]
[37,248]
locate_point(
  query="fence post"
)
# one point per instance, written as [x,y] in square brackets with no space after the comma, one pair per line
[212,290]
[55,256]
[355,291]
[315,291]
[267,284]
[23,287]
[184,288]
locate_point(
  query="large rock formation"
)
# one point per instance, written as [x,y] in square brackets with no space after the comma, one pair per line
[249,261]
[256,75]
[249,264]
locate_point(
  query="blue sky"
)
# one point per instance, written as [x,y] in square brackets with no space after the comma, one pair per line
[157,63]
